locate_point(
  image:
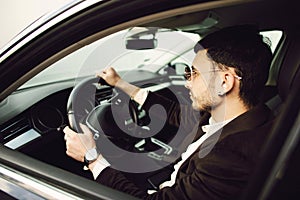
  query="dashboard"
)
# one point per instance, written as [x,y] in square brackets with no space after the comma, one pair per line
[43,117]
[37,120]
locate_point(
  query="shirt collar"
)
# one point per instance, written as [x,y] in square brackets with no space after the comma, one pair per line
[213,126]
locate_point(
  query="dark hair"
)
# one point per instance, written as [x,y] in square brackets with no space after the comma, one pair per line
[244,49]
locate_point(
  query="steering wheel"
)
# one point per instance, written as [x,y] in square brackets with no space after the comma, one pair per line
[116,119]
[83,107]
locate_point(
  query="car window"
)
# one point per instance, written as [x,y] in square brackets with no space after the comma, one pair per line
[271,37]
[172,47]
[112,51]
[274,37]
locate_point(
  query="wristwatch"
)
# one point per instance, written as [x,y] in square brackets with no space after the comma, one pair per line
[90,156]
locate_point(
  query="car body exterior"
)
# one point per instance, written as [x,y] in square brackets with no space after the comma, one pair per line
[40,66]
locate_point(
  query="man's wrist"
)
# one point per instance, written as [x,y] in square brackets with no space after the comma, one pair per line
[133,94]
[121,84]
[92,165]
[98,166]
[90,156]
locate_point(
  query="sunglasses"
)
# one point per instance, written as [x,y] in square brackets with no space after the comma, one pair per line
[190,72]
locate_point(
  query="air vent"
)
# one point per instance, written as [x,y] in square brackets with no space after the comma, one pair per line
[14,129]
[104,95]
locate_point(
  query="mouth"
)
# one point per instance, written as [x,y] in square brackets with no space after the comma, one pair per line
[191,95]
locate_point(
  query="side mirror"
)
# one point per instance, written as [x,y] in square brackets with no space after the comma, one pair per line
[177,69]
[180,68]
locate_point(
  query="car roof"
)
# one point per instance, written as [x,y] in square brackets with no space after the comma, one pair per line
[250,11]
[36,26]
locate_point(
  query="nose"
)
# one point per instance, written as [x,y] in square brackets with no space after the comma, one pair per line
[188,85]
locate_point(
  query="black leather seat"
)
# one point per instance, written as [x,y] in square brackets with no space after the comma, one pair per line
[288,76]
[279,177]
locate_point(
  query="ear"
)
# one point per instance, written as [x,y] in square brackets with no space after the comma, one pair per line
[227,83]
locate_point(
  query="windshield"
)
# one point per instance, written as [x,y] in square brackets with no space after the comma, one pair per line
[114,50]
[123,51]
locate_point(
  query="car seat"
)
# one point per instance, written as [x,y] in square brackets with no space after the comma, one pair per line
[277,174]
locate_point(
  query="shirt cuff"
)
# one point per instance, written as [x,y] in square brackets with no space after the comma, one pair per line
[141,96]
[100,165]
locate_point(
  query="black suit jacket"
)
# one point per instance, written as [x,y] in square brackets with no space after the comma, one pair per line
[221,166]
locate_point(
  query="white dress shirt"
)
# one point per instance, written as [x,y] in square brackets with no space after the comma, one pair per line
[209,130]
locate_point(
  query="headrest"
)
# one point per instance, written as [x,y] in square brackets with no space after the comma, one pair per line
[289,74]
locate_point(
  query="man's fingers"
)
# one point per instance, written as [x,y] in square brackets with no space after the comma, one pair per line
[68,132]
[85,129]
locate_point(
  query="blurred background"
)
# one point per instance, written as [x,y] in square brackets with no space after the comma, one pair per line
[15,15]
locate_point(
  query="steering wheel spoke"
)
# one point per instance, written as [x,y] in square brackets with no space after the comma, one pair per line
[105,111]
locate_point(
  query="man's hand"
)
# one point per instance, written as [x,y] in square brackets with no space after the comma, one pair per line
[78,144]
[110,75]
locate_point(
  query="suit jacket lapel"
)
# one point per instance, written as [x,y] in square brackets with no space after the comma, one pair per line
[247,121]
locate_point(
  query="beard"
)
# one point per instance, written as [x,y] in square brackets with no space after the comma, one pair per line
[204,102]
[207,100]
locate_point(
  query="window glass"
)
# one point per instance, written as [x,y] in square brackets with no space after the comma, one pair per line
[172,47]
[270,37]
[274,37]
[112,51]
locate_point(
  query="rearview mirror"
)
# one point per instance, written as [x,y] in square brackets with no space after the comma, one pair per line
[139,38]
[140,44]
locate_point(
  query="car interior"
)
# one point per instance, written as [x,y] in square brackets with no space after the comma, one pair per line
[32,117]
[281,173]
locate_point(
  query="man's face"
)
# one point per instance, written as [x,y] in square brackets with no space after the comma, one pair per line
[202,82]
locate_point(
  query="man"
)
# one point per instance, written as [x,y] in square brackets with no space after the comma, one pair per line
[228,73]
